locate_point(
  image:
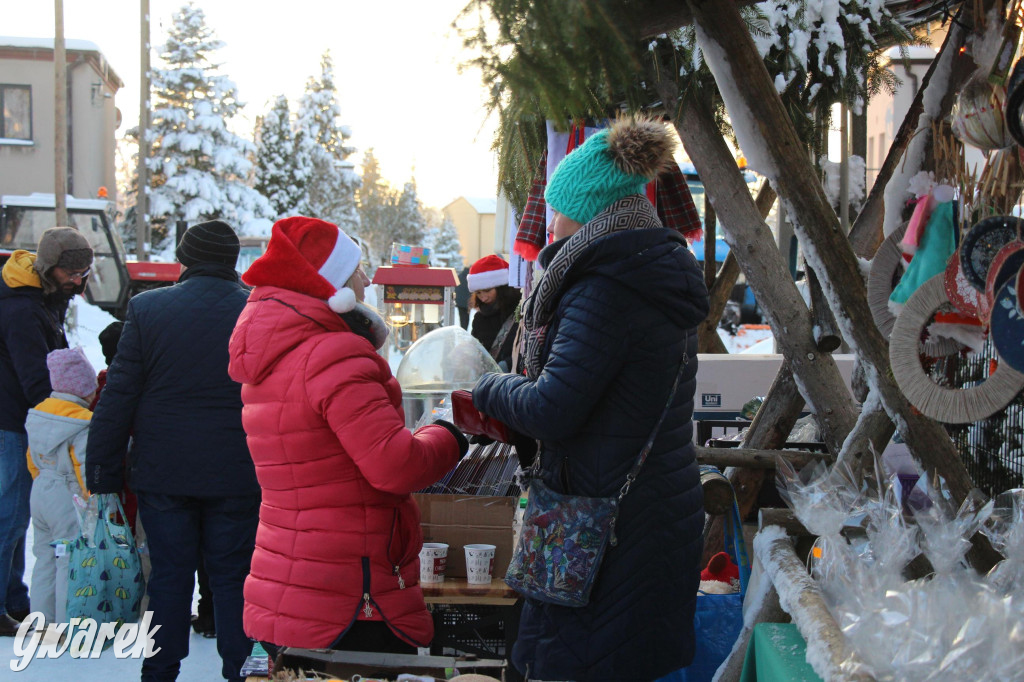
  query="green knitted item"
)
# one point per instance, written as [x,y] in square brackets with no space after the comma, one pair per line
[587,181]
[937,244]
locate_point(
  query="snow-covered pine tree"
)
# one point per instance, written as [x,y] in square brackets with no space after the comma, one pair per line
[322,143]
[377,207]
[409,225]
[445,245]
[199,167]
[278,177]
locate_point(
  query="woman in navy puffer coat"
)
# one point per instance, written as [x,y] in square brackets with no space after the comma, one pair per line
[606,330]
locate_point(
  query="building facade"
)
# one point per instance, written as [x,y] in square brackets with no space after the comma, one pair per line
[27,137]
[474,222]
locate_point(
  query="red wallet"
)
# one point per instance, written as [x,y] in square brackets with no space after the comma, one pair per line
[474,422]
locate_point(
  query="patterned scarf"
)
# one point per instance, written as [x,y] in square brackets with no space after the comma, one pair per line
[634,212]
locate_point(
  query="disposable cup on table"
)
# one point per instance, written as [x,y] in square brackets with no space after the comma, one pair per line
[433,559]
[479,564]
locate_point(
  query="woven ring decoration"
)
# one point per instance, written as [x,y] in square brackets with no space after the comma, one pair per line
[888,259]
[947,405]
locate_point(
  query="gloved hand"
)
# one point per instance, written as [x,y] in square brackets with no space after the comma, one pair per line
[459,436]
[526,449]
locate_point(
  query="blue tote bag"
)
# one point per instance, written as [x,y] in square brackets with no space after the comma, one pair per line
[719,617]
[105,574]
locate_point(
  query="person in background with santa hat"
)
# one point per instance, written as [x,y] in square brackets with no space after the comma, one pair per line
[337,553]
[495,302]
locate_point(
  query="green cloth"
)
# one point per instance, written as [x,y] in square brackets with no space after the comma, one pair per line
[777,652]
[937,244]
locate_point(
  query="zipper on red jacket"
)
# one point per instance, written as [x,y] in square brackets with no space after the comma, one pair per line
[369,603]
[396,570]
[367,609]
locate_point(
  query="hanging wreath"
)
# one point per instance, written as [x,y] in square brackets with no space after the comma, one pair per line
[944,404]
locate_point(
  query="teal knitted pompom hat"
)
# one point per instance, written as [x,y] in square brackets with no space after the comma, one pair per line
[612,164]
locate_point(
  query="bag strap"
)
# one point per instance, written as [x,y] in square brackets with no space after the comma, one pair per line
[648,446]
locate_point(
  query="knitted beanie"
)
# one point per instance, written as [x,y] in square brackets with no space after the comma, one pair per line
[612,164]
[65,247]
[309,256]
[71,372]
[211,242]
[487,273]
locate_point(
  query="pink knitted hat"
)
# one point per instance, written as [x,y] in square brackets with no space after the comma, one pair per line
[71,372]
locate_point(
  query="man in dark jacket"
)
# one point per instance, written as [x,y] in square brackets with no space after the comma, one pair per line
[34,296]
[189,464]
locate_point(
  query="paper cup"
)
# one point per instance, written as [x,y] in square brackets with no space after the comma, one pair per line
[479,564]
[433,558]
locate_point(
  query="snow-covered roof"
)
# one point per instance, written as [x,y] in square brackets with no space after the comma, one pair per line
[47,43]
[483,205]
[43,200]
[913,52]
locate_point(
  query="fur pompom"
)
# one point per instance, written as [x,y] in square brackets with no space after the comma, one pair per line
[641,146]
[342,301]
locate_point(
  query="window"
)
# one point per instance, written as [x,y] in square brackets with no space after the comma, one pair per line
[16,102]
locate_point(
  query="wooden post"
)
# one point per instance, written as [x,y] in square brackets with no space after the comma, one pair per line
[710,260]
[721,30]
[757,458]
[60,116]
[802,599]
[142,195]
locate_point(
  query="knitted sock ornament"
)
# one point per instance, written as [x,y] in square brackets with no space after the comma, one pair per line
[309,256]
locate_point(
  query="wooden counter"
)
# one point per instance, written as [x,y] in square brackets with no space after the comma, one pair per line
[459,591]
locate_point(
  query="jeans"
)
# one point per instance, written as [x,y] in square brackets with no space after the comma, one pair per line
[15,488]
[179,529]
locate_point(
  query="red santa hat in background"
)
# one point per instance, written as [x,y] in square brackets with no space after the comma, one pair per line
[487,273]
[309,256]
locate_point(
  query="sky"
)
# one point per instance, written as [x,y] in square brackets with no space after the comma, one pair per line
[396,71]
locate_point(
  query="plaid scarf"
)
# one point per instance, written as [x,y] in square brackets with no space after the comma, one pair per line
[630,213]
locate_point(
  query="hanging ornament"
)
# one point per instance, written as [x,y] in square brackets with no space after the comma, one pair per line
[1007,322]
[887,267]
[1004,266]
[977,115]
[981,244]
[944,404]
[1014,113]
[959,291]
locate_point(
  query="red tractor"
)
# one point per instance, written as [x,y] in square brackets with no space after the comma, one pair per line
[114,279]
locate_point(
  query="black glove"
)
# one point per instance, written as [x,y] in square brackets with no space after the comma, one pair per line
[526,449]
[459,436]
[480,439]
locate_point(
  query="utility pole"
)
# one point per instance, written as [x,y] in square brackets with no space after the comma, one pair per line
[60,104]
[142,195]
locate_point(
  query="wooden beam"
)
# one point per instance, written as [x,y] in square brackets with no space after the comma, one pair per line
[802,599]
[784,518]
[764,267]
[721,31]
[756,458]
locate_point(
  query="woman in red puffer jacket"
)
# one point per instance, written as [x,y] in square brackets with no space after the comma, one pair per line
[337,551]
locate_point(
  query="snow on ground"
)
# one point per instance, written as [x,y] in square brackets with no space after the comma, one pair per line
[202,665]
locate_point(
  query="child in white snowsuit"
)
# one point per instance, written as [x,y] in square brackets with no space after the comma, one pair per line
[57,431]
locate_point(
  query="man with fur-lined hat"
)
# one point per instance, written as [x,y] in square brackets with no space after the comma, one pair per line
[34,294]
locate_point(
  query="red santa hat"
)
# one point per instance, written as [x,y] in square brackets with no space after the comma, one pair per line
[487,273]
[310,256]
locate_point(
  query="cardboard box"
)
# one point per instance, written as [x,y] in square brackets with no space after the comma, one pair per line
[460,520]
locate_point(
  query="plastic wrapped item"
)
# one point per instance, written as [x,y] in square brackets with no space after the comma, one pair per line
[1005,531]
[946,535]
[87,513]
[805,430]
[750,408]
